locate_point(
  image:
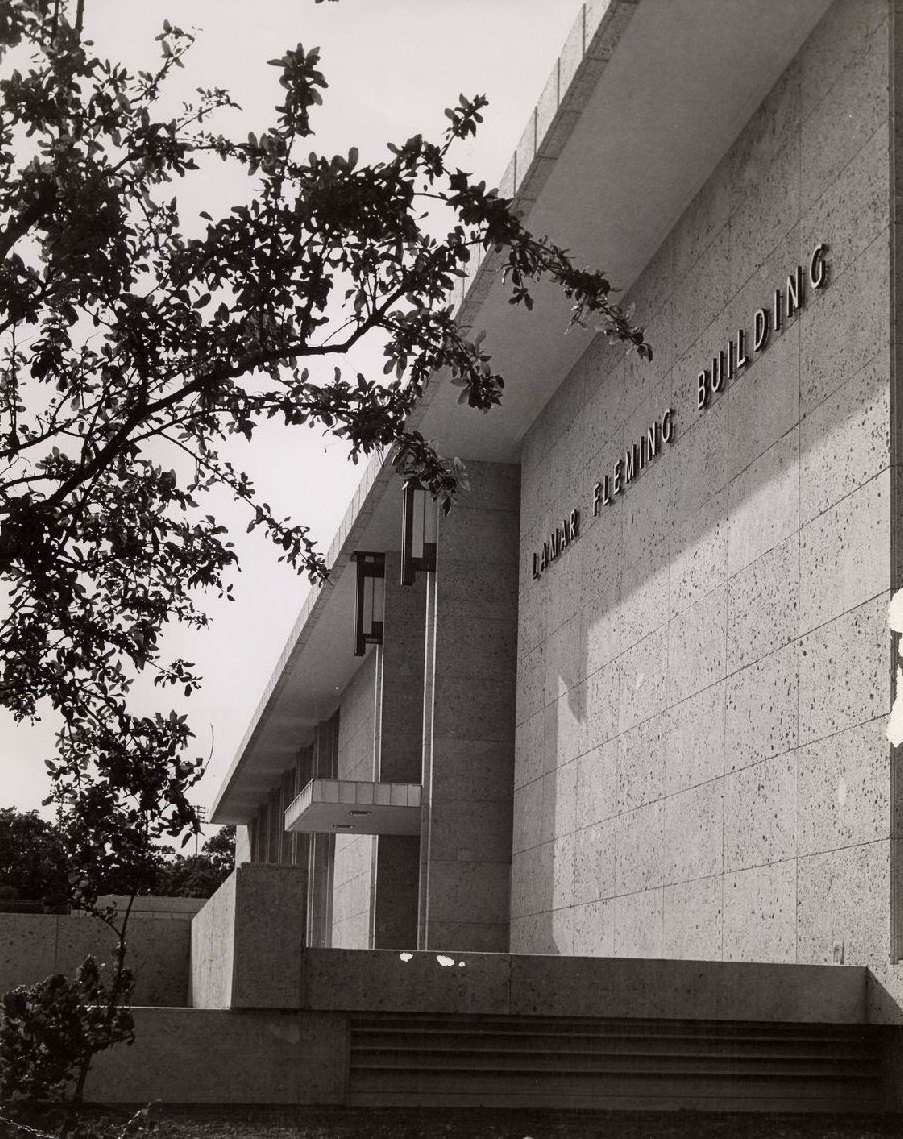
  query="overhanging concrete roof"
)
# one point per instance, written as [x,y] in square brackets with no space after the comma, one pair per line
[644,100]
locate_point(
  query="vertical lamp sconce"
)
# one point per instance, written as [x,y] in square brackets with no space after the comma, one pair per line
[418,532]
[369,600]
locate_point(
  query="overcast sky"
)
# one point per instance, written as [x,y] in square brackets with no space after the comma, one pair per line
[392,67]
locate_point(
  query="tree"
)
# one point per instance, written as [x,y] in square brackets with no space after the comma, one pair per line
[124,339]
[198,875]
[131,348]
[35,864]
[51,1031]
[32,859]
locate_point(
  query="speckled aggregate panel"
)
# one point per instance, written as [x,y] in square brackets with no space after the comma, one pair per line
[703,675]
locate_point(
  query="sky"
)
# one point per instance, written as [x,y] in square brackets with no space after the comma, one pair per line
[392,66]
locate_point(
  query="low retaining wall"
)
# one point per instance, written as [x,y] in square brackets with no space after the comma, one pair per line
[538,985]
[323,1053]
[211,1056]
[32,946]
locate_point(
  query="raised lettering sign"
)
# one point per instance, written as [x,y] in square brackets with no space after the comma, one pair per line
[786,302]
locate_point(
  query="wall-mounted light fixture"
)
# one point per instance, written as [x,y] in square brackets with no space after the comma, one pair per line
[418,532]
[369,600]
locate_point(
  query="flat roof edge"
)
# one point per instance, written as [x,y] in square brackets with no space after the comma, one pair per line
[377,473]
[592,40]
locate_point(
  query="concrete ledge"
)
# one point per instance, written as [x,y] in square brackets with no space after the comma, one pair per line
[527,985]
[208,1056]
[161,906]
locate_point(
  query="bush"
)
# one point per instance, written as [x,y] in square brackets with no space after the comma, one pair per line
[51,1031]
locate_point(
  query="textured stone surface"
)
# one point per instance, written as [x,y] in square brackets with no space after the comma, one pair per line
[638,849]
[845,441]
[694,824]
[844,900]
[697,646]
[844,678]
[843,789]
[853,210]
[695,751]
[594,862]
[692,922]
[698,562]
[763,605]
[594,929]
[597,785]
[269,930]
[762,709]
[638,924]
[641,763]
[845,327]
[643,681]
[843,554]
[764,503]
[760,813]
[850,112]
[712,659]
[760,913]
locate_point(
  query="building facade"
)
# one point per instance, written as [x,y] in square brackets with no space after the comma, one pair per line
[638,708]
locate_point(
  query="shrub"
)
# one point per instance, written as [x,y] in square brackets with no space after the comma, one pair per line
[50,1032]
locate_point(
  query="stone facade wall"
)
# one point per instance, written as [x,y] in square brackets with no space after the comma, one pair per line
[354,854]
[703,675]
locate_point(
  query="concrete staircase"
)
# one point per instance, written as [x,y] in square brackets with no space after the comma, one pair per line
[612,1063]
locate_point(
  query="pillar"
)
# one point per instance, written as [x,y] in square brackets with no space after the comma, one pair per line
[468,748]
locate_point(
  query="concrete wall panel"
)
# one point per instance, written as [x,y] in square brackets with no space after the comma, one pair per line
[720,684]
[213,947]
[205,1056]
[248,938]
[33,946]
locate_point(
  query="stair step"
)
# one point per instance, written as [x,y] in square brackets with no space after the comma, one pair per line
[643,1100]
[596,1061]
[730,1068]
[601,1028]
[564,1062]
[618,1083]
[778,1049]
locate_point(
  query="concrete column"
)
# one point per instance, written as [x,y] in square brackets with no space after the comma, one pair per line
[243,844]
[321,852]
[400,756]
[303,775]
[401,742]
[468,751]
[287,793]
[274,828]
